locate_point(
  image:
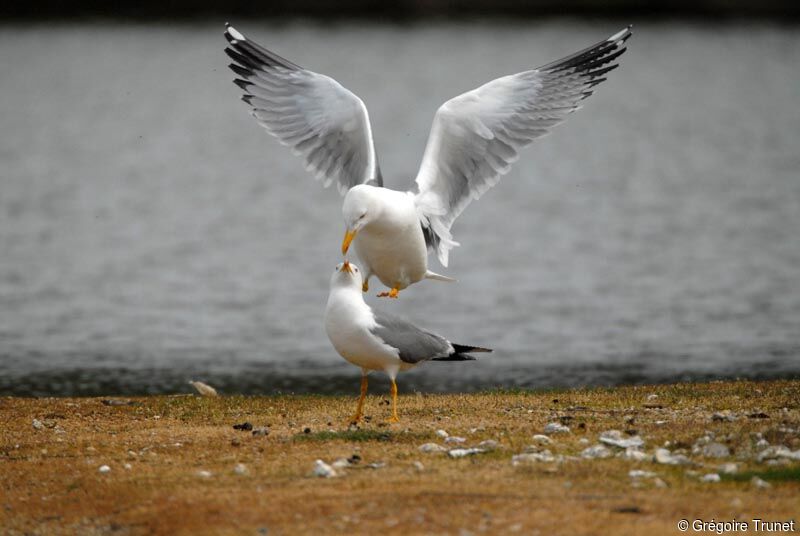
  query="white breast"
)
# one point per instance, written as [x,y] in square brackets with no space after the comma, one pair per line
[347,322]
[393,247]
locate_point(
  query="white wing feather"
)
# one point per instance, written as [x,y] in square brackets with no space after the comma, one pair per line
[322,121]
[475,137]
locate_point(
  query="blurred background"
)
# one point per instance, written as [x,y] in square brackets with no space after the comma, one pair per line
[151,232]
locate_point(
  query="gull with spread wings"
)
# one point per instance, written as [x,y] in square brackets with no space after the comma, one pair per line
[474,140]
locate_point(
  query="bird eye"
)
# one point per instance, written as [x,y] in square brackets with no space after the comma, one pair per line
[356,269]
[362,216]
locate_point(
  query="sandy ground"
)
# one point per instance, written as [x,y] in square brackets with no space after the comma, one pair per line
[177,466]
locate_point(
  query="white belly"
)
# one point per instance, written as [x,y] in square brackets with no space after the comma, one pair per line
[345,321]
[395,254]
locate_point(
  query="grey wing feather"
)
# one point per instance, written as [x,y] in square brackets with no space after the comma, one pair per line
[476,137]
[322,121]
[413,344]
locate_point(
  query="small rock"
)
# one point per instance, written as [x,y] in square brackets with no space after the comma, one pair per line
[615,439]
[728,468]
[723,416]
[660,423]
[758,415]
[418,466]
[544,456]
[638,473]
[652,396]
[542,439]
[245,426]
[556,428]
[204,474]
[235,442]
[460,453]
[37,424]
[355,459]
[454,439]
[118,402]
[376,465]
[657,482]
[431,447]
[716,450]
[759,483]
[203,389]
[665,457]
[341,463]
[489,444]
[710,477]
[323,470]
[584,441]
[104,469]
[128,466]
[240,469]
[306,430]
[442,434]
[596,451]
[261,431]
[635,455]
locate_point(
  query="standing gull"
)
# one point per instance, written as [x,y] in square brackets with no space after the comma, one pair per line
[474,139]
[374,340]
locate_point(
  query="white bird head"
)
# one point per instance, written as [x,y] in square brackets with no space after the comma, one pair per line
[346,275]
[360,208]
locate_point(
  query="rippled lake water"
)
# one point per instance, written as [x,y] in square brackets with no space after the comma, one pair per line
[151,232]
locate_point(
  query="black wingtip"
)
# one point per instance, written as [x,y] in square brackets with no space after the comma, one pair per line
[227,24]
[463,349]
[244,84]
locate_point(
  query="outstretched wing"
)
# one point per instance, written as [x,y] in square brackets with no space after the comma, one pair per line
[476,136]
[312,113]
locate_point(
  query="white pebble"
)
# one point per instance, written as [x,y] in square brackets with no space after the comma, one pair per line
[431,447]
[542,439]
[489,444]
[104,469]
[203,389]
[240,469]
[616,439]
[710,477]
[37,424]
[323,470]
[442,434]
[454,439]
[544,456]
[128,466]
[204,474]
[596,451]
[460,453]
[556,428]
[759,483]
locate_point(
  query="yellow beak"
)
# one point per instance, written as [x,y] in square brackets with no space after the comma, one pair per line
[348,237]
[346,267]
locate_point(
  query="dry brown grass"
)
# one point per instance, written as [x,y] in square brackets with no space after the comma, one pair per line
[50,483]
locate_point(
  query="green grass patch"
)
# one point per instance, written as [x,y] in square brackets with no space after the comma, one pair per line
[775,474]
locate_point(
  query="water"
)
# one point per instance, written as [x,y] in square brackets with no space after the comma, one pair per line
[150,232]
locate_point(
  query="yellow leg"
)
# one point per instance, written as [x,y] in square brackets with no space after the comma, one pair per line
[365,286]
[394,417]
[357,417]
[391,294]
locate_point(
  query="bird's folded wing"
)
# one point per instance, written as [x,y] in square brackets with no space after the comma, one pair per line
[476,136]
[323,122]
[413,344]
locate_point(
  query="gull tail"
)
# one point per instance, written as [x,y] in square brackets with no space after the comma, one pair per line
[461,353]
[439,277]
